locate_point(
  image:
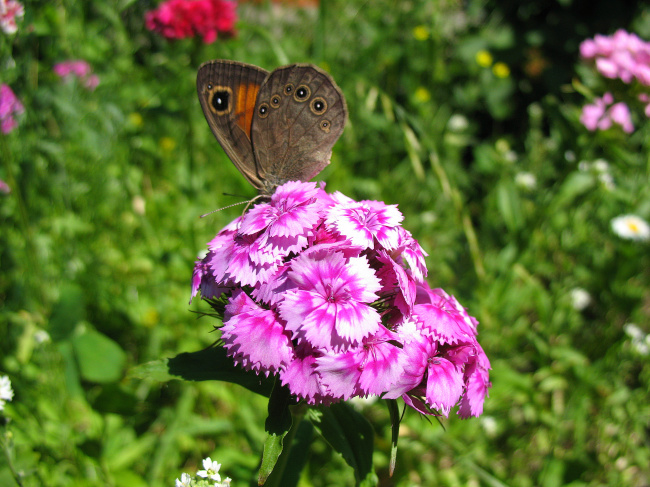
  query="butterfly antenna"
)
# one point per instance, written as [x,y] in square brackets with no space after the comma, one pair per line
[225,208]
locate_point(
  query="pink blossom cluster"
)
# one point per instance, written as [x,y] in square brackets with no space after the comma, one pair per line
[623,55]
[9,106]
[79,69]
[603,113]
[329,294]
[180,19]
[10,11]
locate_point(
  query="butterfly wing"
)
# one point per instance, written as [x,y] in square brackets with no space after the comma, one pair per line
[228,92]
[299,115]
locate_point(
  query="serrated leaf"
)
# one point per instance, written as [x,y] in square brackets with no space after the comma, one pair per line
[350,434]
[209,364]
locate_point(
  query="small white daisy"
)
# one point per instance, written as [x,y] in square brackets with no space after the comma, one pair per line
[631,227]
[6,392]
[211,470]
[184,481]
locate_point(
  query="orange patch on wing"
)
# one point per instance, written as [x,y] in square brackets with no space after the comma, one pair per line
[245,107]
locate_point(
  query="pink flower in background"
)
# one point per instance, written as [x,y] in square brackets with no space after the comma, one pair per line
[180,19]
[10,11]
[9,106]
[603,113]
[328,294]
[4,187]
[623,55]
[79,69]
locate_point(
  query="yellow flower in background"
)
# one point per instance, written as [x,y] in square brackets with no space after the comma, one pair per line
[422,94]
[501,70]
[136,120]
[484,58]
[421,33]
[167,144]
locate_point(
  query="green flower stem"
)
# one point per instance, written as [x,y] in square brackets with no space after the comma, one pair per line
[276,477]
[6,440]
[461,212]
[23,220]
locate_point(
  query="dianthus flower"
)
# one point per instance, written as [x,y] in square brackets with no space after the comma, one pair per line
[9,106]
[603,113]
[328,294]
[623,55]
[79,69]
[180,19]
[10,11]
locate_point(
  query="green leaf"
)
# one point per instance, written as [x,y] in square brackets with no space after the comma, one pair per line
[67,312]
[576,184]
[350,434]
[393,410]
[100,359]
[298,455]
[510,205]
[278,423]
[209,364]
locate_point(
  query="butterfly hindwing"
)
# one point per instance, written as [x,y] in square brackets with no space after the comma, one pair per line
[299,115]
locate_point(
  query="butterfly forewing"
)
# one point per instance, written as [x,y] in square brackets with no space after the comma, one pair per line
[299,116]
[228,92]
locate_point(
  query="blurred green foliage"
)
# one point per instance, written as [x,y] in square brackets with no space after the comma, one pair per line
[101,229]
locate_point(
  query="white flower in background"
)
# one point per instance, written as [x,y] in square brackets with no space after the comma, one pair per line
[580,298]
[570,156]
[139,205]
[510,156]
[41,336]
[526,180]
[607,180]
[631,227]
[600,165]
[184,481]
[6,392]
[457,123]
[489,425]
[640,341]
[225,483]
[211,470]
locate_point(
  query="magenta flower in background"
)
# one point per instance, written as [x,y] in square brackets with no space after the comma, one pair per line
[10,11]
[9,106]
[623,55]
[602,114]
[79,69]
[180,19]
[329,294]
[4,187]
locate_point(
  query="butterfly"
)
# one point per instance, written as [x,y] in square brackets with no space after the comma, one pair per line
[274,126]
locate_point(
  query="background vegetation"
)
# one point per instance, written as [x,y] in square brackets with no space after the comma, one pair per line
[100,231]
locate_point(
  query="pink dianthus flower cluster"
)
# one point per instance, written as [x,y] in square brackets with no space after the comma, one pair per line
[180,19]
[603,113]
[330,294]
[9,106]
[10,12]
[79,69]
[623,56]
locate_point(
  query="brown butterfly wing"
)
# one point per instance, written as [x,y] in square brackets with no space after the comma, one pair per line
[228,92]
[299,116]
